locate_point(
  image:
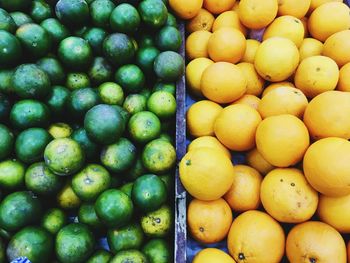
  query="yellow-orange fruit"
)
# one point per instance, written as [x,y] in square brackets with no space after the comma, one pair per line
[186,9]
[229,19]
[257,161]
[250,100]
[297,8]
[337,47]
[197,44]
[344,80]
[202,21]
[250,51]
[218,6]
[255,83]
[310,47]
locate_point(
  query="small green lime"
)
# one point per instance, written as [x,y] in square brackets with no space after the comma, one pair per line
[95,36]
[100,11]
[127,188]
[77,80]
[145,40]
[53,69]
[111,93]
[6,22]
[100,71]
[72,13]
[163,104]
[171,20]
[157,251]
[82,100]
[157,223]
[87,215]
[89,147]
[145,57]
[144,126]
[135,103]
[6,81]
[53,220]
[135,171]
[40,10]
[119,49]
[67,199]
[125,19]
[100,256]
[153,13]
[60,130]
[165,86]
[10,49]
[11,174]
[130,255]
[57,99]
[21,18]
[131,78]
[168,38]
[56,29]
[169,66]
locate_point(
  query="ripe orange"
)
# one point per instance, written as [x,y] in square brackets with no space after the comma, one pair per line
[229,19]
[201,117]
[255,82]
[206,173]
[337,47]
[327,167]
[185,9]
[344,80]
[212,255]
[197,44]
[244,193]
[194,72]
[310,47]
[250,51]
[218,6]
[223,82]
[250,100]
[277,85]
[202,21]
[316,3]
[316,75]
[227,44]
[236,125]
[328,19]
[287,196]
[315,242]
[296,8]
[208,142]
[282,140]
[257,161]
[209,221]
[256,237]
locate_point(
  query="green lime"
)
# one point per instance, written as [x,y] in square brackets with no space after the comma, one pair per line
[159,156]
[60,130]
[131,78]
[100,12]
[53,69]
[100,256]
[57,99]
[5,108]
[145,57]
[120,156]
[30,144]
[11,174]
[165,86]
[74,243]
[64,156]
[82,100]
[111,93]
[32,242]
[10,49]
[67,199]
[90,182]
[125,19]
[145,40]
[6,22]
[29,81]
[40,11]
[21,18]
[87,215]
[89,147]
[95,36]
[75,52]
[162,104]
[123,112]
[15,5]
[39,179]
[157,251]
[100,71]
[55,29]
[127,237]
[77,80]
[72,13]
[127,188]
[153,13]
[144,126]
[19,209]
[145,92]
[35,40]
[135,171]
[53,220]
[168,180]
[135,103]
[157,223]
[104,124]
[6,141]
[171,20]
[29,113]
[6,81]
[114,208]
[169,66]
[130,255]
[166,136]
[149,192]
[119,49]
[168,38]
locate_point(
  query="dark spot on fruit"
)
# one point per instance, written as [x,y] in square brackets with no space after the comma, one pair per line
[281,180]
[296,21]
[188,162]
[292,184]
[201,229]
[157,220]
[318,69]
[312,260]
[241,256]
[299,204]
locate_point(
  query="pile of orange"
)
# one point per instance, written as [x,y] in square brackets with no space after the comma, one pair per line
[272,81]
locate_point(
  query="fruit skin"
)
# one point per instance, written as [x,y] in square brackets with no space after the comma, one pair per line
[169,65]
[229,19]
[218,7]
[197,173]
[130,255]
[135,103]
[87,215]
[72,13]
[55,29]
[315,241]
[67,199]
[7,141]
[90,148]
[144,126]
[208,142]
[168,38]
[145,57]
[197,44]
[157,250]
[255,82]
[53,220]
[12,174]
[203,20]
[242,244]
[163,104]
[153,13]
[343,82]
[212,255]
[310,47]
[184,9]
[21,18]
[118,49]
[157,223]
[130,77]
[294,8]
[100,12]
[82,100]
[100,256]
[5,107]
[125,19]
[336,46]
[40,10]
[95,37]
[53,68]
[100,71]
[194,73]
[13,47]
[329,178]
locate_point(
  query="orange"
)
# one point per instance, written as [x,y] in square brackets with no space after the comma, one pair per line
[288,27]
[327,167]
[328,115]
[255,237]
[201,117]
[250,51]
[206,173]
[209,221]
[202,21]
[277,85]
[283,100]
[257,161]
[197,44]
[310,47]
[257,14]
[315,75]
[276,59]
[297,8]
[223,82]
[344,80]
[227,44]
[282,140]
[328,19]
[335,211]
[337,47]
[229,19]
[212,255]
[236,125]
[287,196]
[218,6]
[255,83]
[250,100]
[316,3]
[244,193]
[315,242]
[304,20]
[186,9]
[208,142]
[194,72]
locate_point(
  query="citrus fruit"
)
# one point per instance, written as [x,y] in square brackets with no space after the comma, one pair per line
[40,11]
[144,126]
[194,72]
[130,77]
[5,78]
[130,255]
[153,13]
[7,22]
[277,85]
[218,6]
[250,51]
[255,82]
[164,86]
[198,177]
[336,46]
[294,8]
[316,3]
[67,199]
[100,256]
[53,220]
[162,104]
[87,215]
[184,9]
[74,14]
[157,223]
[11,174]
[208,142]
[145,57]
[90,148]
[11,49]
[250,100]
[169,65]
[81,100]
[125,19]
[244,193]
[118,48]
[326,167]
[213,255]
[127,188]
[171,20]
[60,130]
[95,37]
[282,140]
[197,44]
[77,80]
[157,250]
[53,69]
[55,29]
[310,47]
[168,38]
[135,103]
[100,12]
[202,21]
[21,18]
[343,82]
[229,19]
[7,141]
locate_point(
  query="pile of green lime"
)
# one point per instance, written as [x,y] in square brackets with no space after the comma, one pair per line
[87,126]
